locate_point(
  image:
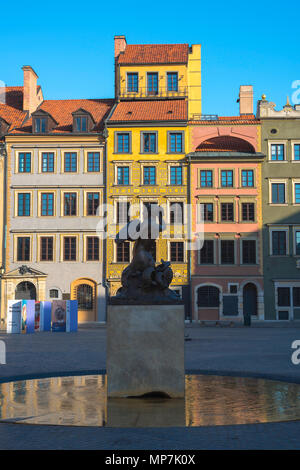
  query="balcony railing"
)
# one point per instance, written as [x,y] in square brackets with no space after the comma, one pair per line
[181,92]
[205,117]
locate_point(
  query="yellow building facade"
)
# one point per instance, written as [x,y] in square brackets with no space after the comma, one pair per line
[165,60]
[157,88]
[137,193]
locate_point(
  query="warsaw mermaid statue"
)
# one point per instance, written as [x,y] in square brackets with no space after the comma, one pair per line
[142,281]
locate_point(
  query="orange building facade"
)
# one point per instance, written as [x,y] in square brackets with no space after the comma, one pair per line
[225,193]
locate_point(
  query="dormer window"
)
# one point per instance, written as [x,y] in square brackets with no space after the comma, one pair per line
[83,121]
[42,122]
[3,126]
[81,124]
[40,125]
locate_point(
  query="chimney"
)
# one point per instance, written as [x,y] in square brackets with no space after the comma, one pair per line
[30,95]
[246,99]
[120,45]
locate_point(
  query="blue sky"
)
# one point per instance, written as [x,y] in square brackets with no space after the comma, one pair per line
[70,45]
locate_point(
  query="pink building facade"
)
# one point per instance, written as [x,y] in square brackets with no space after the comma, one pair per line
[225,187]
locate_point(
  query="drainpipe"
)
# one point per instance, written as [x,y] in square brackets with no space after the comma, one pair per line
[190,251]
[3,154]
[105,182]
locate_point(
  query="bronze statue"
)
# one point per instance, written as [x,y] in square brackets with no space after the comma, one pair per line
[142,281]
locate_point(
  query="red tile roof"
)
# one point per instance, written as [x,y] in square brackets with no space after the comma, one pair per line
[12,109]
[165,110]
[225,144]
[61,111]
[154,54]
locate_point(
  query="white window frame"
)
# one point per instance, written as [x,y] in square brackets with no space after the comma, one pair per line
[296,228]
[279,229]
[277,142]
[278,181]
[293,143]
[120,164]
[295,181]
[291,308]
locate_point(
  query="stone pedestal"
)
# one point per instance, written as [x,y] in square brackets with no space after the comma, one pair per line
[145,350]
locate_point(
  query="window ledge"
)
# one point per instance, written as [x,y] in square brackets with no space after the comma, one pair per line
[277,205]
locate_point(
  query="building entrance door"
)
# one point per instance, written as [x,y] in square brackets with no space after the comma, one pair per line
[250,299]
[25,290]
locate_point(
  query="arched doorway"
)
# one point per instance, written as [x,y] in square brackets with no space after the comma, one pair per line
[25,290]
[85,292]
[250,299]
[208,302]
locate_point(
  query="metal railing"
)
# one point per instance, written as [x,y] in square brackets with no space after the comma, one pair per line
[205,117]
[161,92]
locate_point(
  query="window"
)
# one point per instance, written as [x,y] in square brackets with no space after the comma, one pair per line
[123,174]
[23,204]
[70,248]
[227,178]
[278,242]
[132,82]
[283,297]
[233,288]
[207,252]
[47,162]
[152,83]
[93,162]
[248,211]
[71,162]
[151,209]
[46,249]
[297,243]
[40,125]
[123,212]
[297,193]
[247,178]
[208,211]
[81,123]
[123,142]
[296,296]
[227,251]
[175,142]
[85,297]
[206,178]
[297,152]
[277,152]
[176,175]
[249,251]
[176,213]
[278,193]
[123,252]
[227,211]
[92,249]
[149,175]
[208,296]
[24,163]
[177,252]
[93,201]
[23,249]
[47,204]
[148,142]
[70,203]
[172,81]
[53,293]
